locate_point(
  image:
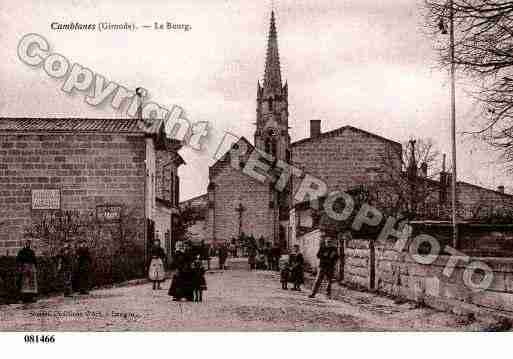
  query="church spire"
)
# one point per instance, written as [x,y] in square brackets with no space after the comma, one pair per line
[272,77]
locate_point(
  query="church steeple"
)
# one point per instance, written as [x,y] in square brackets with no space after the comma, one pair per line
[272,132]
[272,76]
[272,127]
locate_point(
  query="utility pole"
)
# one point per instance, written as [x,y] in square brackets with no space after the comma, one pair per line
[453,129]
[454,193]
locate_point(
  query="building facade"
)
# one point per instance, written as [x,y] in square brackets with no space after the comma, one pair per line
[99,166]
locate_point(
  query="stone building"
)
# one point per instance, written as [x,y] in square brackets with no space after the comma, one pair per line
[94,165]
[167,195]
[344,158]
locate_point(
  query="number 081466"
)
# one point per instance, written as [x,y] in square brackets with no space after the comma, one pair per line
[34,339]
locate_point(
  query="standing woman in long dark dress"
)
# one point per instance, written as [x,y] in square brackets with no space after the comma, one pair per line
[297,272]
[84,266]
[156,272]
[27,273]
[65,269]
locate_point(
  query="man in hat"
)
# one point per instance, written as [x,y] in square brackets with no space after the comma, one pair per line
[328,256]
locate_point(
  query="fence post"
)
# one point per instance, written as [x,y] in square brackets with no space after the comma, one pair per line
[372,264]
[342,239]
[341,259]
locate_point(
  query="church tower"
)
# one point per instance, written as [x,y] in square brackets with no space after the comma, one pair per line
[272,132]
[272,125]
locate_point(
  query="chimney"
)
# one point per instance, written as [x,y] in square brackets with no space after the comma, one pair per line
[423,169]
[315,128]
[140,92]
[500,189]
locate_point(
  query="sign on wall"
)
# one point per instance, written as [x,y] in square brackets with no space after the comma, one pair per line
[46,199]
[108,213]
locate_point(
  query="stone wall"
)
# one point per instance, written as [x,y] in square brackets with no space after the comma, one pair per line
[89,169]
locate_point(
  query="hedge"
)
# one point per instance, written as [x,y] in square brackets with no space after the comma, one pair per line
[105,270]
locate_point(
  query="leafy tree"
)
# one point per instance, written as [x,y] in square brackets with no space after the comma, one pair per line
[407,186]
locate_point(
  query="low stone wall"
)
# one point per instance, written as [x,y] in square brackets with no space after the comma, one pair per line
[356,262]
[395,273]
[398,274]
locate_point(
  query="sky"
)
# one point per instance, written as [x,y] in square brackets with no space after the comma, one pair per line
[365,63]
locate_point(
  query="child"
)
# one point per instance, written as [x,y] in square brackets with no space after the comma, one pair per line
[199,282]
[284,276]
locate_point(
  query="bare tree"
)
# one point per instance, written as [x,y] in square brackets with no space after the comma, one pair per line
[483,50]
[54,229]
[406,188]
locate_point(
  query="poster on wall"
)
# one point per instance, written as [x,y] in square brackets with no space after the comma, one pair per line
[46,199]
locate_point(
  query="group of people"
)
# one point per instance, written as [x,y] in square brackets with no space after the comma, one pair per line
[72,267]
[189,279]
[293,270]
[267,257]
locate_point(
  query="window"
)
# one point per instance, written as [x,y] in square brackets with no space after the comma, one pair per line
[177,191]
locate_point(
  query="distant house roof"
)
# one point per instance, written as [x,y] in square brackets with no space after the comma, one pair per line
[200,200]
[339,131]
[213,170]
[460,183]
